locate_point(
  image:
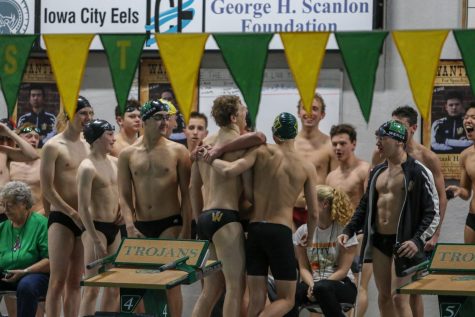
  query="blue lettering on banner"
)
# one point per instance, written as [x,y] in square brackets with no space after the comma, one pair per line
[344,6]
[249,25]
[257,9]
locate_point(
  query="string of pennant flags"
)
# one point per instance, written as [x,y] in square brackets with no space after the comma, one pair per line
[245,56]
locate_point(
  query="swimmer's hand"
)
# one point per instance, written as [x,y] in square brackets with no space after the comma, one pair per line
[342,240]
[455,190]
[119,220]
[213,153]
[133,232]
[100,250]
[77,220]
[407,249]
[310,294]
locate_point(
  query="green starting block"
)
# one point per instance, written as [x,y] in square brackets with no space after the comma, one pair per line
[451,276]
[147,268]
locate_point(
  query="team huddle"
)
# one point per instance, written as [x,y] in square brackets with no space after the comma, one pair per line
[302,216]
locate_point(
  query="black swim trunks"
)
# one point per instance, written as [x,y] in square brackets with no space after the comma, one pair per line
[384,243]
[154,228]
[109,229]
[65,220]
[212,220]
[470,222]
[270,245]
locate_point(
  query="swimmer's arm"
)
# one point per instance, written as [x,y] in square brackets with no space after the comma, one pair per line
[464,190]
[237,167]
[358,219]
[124,180]
[436,169]
[183,172]
[47,174]
[345,258]
[84,180]
[311,200]
[428,210]
[247,181]
[304,265]
[24,153]
[243,142]
[196,195]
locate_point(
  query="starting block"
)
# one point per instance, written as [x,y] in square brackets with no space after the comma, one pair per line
[451,276]
[146,268]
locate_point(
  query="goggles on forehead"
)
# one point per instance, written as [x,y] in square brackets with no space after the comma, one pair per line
[131,109]
[30,129]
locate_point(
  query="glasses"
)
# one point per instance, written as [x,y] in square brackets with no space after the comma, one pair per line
[30,129]
[160,117]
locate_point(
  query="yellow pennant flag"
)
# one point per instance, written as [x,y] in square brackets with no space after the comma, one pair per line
[181,55]
[420,53]
[305,52]
[67,54]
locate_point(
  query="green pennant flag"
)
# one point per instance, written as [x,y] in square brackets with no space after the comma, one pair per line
[466,42]
[360,52]
[245,56]
[14,52]
[123,54]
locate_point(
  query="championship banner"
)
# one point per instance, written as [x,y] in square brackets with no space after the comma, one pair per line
[360,52]
[68,57]
[443,131]
[123,54]
[420,52]
[245,56]
[305,53]
[15,50]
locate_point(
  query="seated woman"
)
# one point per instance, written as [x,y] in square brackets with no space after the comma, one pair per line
[23,248]
[324,267]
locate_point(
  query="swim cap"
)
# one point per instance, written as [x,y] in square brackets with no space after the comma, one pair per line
[94,129]
[285,126]
[151,107]
[171,108]
[82,103]
[393,129]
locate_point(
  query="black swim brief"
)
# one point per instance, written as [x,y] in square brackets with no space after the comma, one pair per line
[154,228]
[270,245]
[65,220]
[212,220]
[470,222]
[384,243]
[109,229]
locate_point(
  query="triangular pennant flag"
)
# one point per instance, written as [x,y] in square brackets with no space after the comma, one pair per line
[420,53]
[360,52]
[181,55]
[304,53]
[466,43]
[245,56]
[14,52]
[67,54]
[123,54]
